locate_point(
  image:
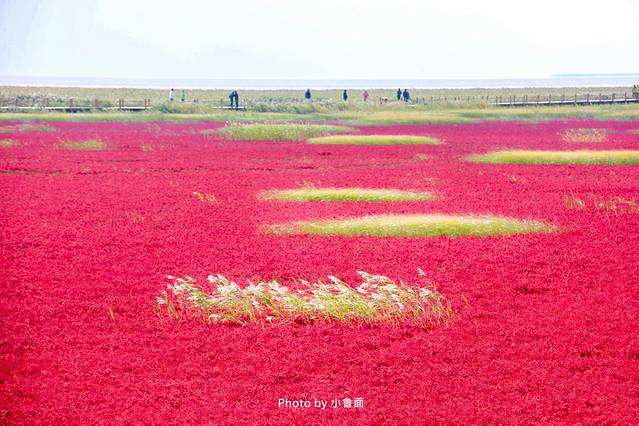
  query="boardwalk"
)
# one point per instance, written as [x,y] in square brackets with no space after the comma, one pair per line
[548,101]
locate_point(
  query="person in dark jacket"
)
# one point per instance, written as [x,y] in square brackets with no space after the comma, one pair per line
[406,95]
[345,95]
[237,99]
[307,95]
[399,94]
[232,98]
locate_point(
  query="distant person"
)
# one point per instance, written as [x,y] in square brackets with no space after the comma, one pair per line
[406,95]
[307,95]
[235,99]
[171,95]
[183,95]
[365,95]
[399,95]
[345,95]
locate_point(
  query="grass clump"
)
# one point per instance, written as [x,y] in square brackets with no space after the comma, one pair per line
[612,157]
[375,140]
[345,194]
[86,145]
[414,226]
[377,299]
[585,135]
[615,205]
[8,143]
[280,131]
[204,197]
[26,127]
[400,117]
[571,201]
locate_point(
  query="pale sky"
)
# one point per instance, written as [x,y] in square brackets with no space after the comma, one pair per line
[322,39]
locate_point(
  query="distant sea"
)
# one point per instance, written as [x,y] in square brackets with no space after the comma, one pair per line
[573,80]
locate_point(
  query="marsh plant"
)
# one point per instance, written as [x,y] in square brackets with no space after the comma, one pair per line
[377,299]
[8,143]
[375,140]
[585,135]
[204,197]
[345,194]
[95,144]
[413,226]
[614,205]
[611,157]
[280,131]
[26,127]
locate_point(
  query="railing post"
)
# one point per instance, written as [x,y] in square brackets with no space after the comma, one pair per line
[588,98]
[625,97]
[612,98]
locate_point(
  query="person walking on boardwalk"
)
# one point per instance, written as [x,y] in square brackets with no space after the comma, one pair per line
[171,95]
[232,98]
[365,95]
[307,95]
[345,95]
[406,95]
[399,94]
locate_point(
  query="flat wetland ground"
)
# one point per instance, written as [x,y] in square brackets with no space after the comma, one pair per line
[545,323]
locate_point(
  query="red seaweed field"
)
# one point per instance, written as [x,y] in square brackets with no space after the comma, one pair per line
[546,326]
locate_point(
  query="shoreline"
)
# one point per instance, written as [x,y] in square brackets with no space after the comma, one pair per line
[555,82]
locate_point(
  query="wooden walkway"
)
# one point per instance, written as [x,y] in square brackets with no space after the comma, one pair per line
[76,108]
[513,102]
[72,108]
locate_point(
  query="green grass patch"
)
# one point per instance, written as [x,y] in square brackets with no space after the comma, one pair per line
[26,127]
[86,145]
[8,143]
[613,157]
[377,299]
[279,131]
[345,194]
[585,135]
[375,140]
[417,225]
[402,117]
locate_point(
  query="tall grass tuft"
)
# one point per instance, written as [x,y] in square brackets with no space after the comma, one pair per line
[376,300]
[280,131]
[612,157]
